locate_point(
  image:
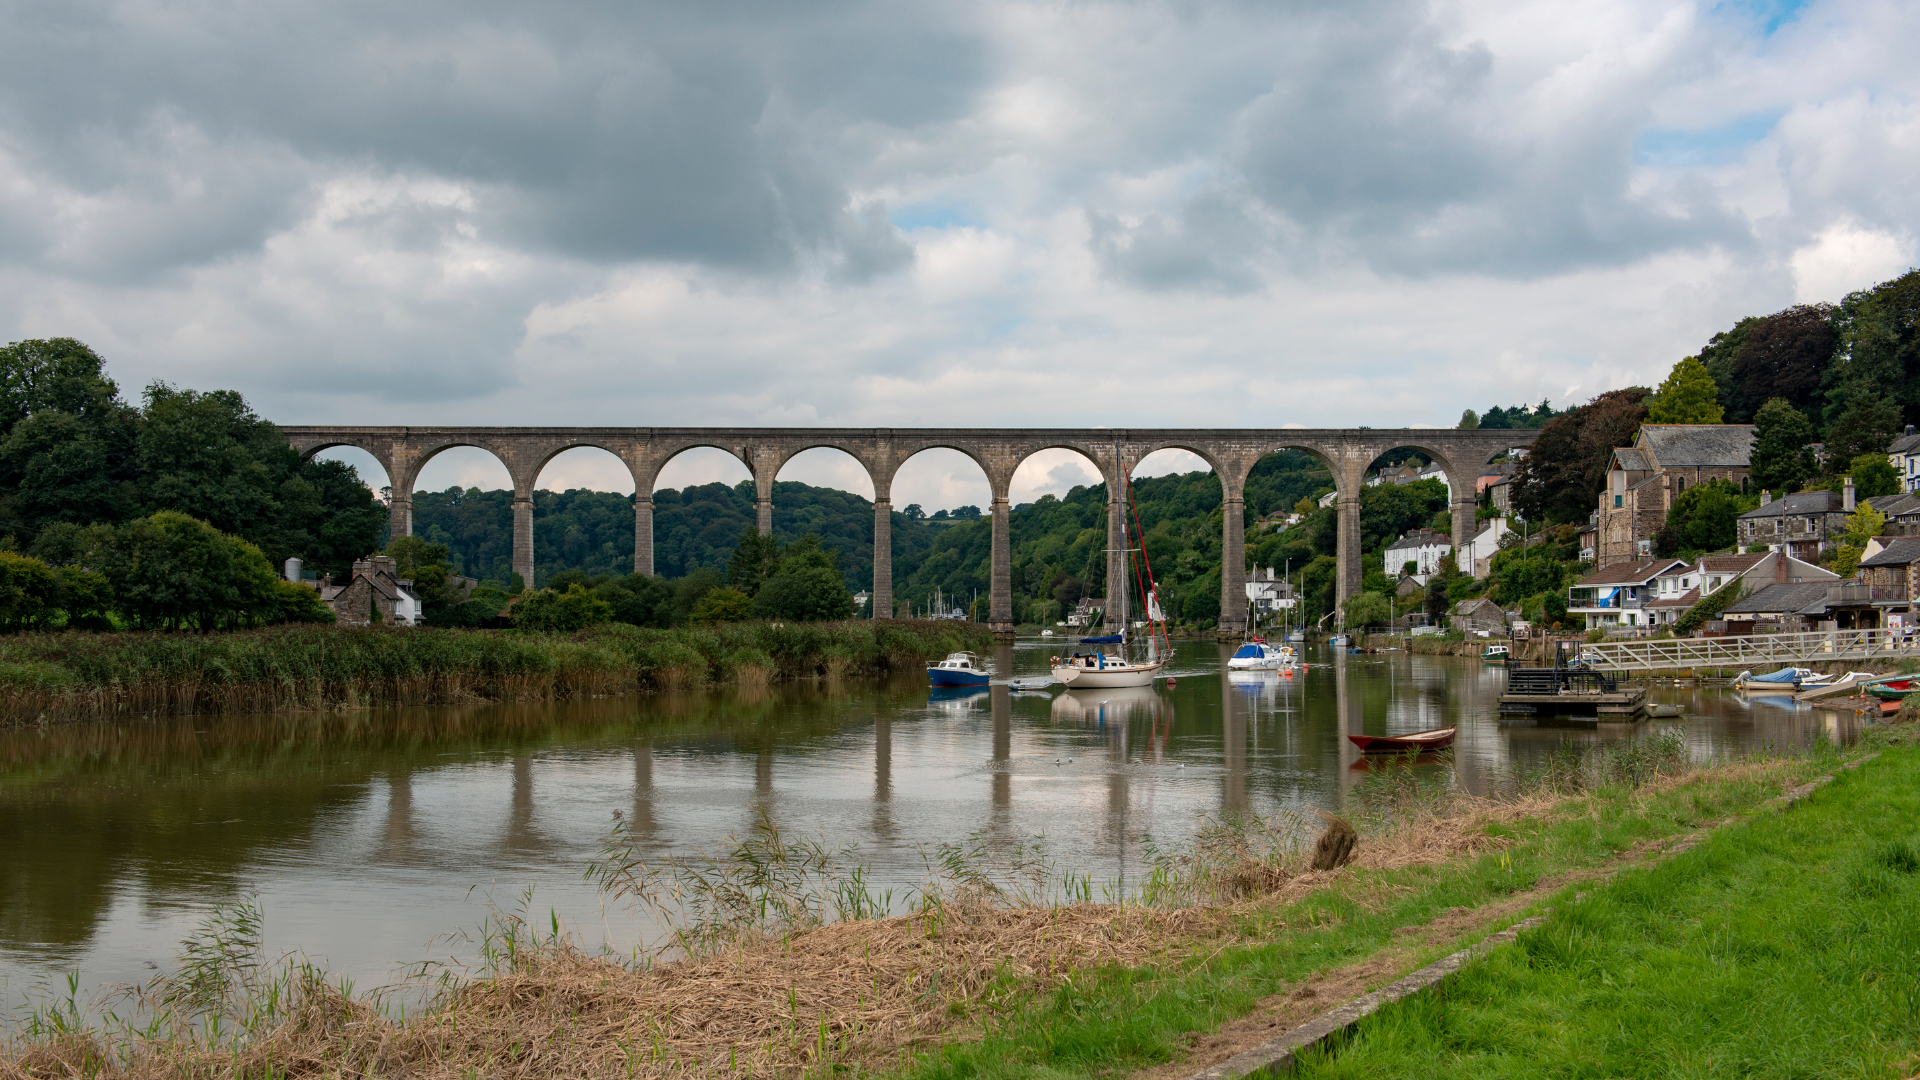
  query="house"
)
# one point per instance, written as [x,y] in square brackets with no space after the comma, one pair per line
[1477,557]
[1589,538]
[1491,475]
[1891,572]
[861,599]
[1087,612]
[1681,587]
[1327,500]
[1424,548]
[1904,455]
[1618,595]
[1644,479]
[1901,511]
[1846,604]
[1500,495]
[1477,614]
[377,594]
[1268,594]
[1803,524]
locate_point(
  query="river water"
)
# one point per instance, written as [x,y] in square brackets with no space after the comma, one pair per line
[367,836]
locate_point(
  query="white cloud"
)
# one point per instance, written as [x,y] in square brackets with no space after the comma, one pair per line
[1845,258]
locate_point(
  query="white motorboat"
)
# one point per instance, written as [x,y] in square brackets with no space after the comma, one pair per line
[1257,655]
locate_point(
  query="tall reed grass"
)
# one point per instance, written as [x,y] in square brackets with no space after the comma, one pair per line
[70,676]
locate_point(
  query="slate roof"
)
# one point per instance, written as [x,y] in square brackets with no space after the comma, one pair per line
[1899,553]
[1636,573]
[1420,538]
[1895,506]
[1698,446]
[1684,600]
[1789,597]
[1804,502]
[1631,459]
[1904,444]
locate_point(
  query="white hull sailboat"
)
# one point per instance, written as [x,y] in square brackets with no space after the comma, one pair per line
[1104,670]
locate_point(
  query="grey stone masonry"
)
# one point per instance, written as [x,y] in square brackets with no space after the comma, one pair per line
[1232,454]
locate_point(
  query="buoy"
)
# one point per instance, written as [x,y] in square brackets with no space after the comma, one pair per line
[1169,680]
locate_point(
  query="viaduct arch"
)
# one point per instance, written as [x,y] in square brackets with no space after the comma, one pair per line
[1347,453]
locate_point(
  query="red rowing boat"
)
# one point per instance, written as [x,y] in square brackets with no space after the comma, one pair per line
[1437,739]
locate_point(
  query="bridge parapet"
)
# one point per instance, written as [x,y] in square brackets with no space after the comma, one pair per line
[1749,652]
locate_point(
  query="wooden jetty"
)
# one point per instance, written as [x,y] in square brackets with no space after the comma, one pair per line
[1570,688]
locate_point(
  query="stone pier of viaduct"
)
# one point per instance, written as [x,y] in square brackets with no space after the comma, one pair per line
[1347,454]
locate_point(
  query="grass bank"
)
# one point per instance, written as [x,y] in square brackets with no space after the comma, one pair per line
[1788,945]
[73,676]
[1005,966]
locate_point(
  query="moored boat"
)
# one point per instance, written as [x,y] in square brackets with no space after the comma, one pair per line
[958,669]
[1436,739]
[1788,680]
[1103,670]
[1894,689]
[1257,655]
[1495,654]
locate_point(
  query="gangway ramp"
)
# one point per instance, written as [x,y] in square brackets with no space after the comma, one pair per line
[1752,652]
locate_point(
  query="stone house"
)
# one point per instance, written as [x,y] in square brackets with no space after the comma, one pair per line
[1644,479]
[1479,613]
[1803,524]
[376,588]
[1424,548]
[1845,604]
[1891,572]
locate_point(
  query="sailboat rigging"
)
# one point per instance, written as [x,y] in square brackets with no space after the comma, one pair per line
[1103,669]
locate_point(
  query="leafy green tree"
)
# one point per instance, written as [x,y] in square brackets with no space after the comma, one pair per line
[1469,420]
[170,571]
[298,604]
[66,438]
[1865,424]
[1688,396]
[722,604]
[1711,606]
[755,559]
[1874,476]
[30,592]
[1718,356]
[1367,609]
[1863,525]
[1782,459]
[561,612]
[1706,517]
[428,565]
[639,600]
[804,593]
[87,596]
[1554,608]
[1879,355]
[481,607]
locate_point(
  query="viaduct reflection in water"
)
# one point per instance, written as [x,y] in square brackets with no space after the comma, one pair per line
[113,838]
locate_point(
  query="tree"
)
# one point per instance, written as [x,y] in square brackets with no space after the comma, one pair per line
[640,600]
[170,571]
[1879,355]
[1874,476]
[755,559]
[723,604]
[426,564]
[1469,420]
[1864,425]
[1561,477]
[1367,609]
[1781,459]
[1785,356]
[804,594]
[1863,525]
[30,592]
[561,612]
[1706,517]
[1718,356]
[1688,396]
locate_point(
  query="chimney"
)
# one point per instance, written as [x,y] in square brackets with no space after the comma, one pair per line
[1909,429]
[1846,494]
[1765,496]
[293,571]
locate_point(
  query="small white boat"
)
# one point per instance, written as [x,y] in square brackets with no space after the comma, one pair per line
[1257,655]
[1046,633]
[1033,682]
[1339,641]
[1100,671]
[1787,680]
[1297,635]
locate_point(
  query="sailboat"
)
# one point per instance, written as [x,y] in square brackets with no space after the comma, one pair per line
[1103,669]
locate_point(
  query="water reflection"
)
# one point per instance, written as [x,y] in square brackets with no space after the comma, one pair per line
[364,834]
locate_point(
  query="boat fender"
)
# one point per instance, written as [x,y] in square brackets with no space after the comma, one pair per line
[1169,680]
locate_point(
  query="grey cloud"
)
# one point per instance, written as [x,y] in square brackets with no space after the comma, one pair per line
[1214,243]
[686,132]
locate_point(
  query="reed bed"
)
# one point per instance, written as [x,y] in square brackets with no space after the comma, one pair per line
[72,676]
[781,962]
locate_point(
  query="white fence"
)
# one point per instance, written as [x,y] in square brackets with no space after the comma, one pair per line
[1756,651]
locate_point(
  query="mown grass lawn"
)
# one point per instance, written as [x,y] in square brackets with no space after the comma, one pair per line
[1788,946]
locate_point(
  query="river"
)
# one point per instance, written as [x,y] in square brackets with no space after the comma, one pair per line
[366,836]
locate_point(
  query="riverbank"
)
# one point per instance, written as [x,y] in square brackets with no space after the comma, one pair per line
[46,678]
[986,975]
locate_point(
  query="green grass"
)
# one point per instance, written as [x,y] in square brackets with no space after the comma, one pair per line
[55,676]
[1788,946]
[1104,1023]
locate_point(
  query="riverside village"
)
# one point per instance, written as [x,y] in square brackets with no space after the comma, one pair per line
[1085,542]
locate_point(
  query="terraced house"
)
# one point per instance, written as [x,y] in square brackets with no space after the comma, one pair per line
[1644,479]
[1802,524]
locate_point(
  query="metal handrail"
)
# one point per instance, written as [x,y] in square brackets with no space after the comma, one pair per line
[1741,652]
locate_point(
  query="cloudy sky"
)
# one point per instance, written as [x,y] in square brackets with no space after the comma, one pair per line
[976,213]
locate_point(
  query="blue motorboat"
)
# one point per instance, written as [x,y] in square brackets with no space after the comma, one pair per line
[958,669]
[1785,681]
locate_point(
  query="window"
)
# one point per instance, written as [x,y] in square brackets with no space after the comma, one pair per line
[1618,501]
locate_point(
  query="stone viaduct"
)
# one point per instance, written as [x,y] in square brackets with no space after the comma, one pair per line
[1347,453]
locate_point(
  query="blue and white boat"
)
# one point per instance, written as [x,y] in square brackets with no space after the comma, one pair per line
[958,669]
[1259,656]
[1785,681]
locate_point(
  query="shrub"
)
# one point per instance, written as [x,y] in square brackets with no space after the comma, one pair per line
[721,605]
[806,594]
[561,612]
